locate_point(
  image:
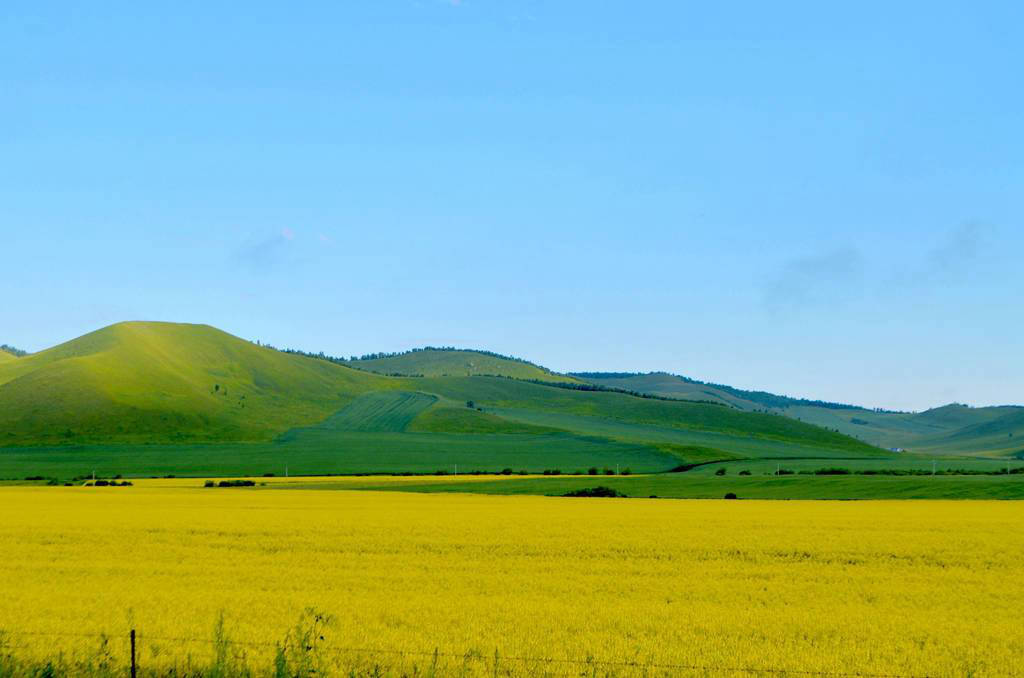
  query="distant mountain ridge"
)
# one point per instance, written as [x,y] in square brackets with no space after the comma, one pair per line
[433,361]
[170,384]
[947,429]
[146,382]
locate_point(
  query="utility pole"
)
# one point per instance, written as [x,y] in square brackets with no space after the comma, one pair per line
[286,470]
[933,467]
[456,469]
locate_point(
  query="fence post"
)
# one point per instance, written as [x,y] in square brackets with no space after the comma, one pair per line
[132,636]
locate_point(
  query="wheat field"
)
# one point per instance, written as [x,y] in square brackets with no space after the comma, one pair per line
[285,582]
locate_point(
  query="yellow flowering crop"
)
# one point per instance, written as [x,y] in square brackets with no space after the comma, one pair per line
[415,584]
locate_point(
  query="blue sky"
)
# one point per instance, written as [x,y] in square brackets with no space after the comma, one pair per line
[812,200]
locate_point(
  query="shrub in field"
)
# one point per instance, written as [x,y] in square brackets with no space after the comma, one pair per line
[599,491]
[236,483]
[832,472]
[720,472]
[626,471]
[592,471]
[210,483]
[744,472]
[730,495]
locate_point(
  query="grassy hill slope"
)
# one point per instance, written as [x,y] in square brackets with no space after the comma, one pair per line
[951,429]
[6,357]
[443,362]
[669,386]
[508,397]
[161,382]
[203,400]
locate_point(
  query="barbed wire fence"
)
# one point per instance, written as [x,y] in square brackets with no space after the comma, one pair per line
[133,664]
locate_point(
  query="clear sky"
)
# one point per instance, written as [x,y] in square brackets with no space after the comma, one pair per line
[810,199]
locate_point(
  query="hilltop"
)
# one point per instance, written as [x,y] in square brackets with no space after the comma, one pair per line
[143,381]
[432,361]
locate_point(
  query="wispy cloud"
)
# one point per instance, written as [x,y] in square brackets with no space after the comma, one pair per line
[815,281]
[262,255]
[952,259]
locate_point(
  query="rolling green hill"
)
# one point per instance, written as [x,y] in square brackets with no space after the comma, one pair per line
[951,429]
[139,398]
[446,362]
[160,382]
[6,357]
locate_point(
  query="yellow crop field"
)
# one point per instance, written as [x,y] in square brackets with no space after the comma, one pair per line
[288,581]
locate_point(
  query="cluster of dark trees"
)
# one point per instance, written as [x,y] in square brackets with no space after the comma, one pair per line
[13,351]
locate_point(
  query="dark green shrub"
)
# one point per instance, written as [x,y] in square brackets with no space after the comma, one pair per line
[832,472]
[744,472]
[209,483]
[236,483]
[720,471]
[592,471]
[730,495]
[599,491]
[626,471]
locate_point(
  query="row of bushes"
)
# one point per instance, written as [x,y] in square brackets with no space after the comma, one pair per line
[599,491]
[230,483]
[53,482]
[839,471]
